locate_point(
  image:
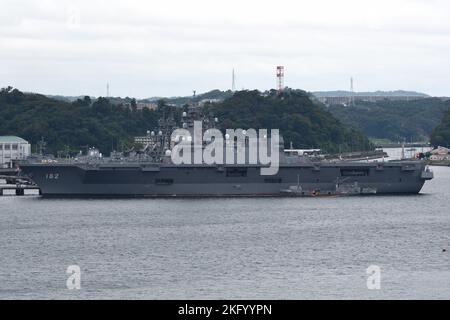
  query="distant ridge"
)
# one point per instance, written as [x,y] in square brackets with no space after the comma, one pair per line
[396,93]
[179,100]
[221,95]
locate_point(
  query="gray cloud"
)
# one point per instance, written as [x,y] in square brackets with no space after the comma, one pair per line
[150,48]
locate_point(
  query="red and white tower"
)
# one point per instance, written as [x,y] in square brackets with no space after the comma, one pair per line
[280,78]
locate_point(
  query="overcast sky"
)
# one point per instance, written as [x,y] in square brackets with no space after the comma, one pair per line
[169,48]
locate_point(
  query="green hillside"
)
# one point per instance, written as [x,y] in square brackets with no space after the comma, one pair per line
[441,134]
[107,126]
[394,120]
[301,121]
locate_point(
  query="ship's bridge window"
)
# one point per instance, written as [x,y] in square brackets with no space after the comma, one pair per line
[272,180]
[354,172]
[164,181]
[236,172]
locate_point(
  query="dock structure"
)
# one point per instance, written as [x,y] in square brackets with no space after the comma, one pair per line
[8,172]
[19,190]
[12,183]
[399,145]
[15,179]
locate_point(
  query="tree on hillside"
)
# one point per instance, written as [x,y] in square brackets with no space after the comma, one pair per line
[441,134]
[299,119]
[394,120]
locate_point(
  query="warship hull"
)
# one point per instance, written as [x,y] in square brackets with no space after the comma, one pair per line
[168,180]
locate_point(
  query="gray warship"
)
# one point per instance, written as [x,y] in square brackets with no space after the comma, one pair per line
[150,172]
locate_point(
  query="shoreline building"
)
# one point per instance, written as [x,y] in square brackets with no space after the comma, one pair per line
[13,148]
[350,100]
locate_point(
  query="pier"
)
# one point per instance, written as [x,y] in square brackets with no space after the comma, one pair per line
[405,145]
[19,190]
[8,171]
[12,185]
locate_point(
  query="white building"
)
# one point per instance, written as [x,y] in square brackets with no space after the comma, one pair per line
[13,148]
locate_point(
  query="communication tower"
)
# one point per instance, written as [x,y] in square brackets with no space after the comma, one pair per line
[280,78]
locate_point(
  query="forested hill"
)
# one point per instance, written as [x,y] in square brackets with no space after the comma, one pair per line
[441,134]
[394,120]
[306,124]
[73,126]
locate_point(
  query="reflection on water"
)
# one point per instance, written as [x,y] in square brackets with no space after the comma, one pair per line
[228,248]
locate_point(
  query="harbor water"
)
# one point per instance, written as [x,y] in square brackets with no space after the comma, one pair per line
[236,248]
